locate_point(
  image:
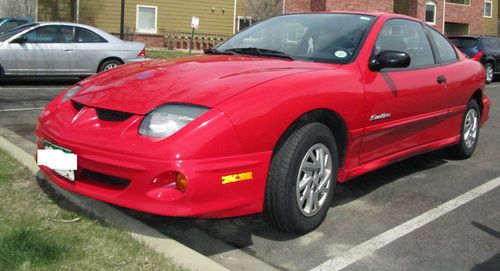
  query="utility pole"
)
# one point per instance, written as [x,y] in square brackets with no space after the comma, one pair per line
[122,20]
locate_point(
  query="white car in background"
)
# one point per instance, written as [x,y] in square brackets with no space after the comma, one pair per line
[63,49]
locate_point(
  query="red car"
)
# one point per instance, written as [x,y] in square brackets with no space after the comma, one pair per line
[268,121]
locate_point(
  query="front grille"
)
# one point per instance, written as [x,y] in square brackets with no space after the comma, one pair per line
[106,180]
[111,115]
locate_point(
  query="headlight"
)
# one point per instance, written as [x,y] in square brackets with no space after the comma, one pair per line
[168,119]
[70,93]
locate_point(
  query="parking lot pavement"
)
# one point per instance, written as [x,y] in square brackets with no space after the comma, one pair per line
[22,100]
[465,238]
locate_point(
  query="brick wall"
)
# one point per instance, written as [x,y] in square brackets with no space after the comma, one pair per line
[455,13]
[298,5]
[472,15]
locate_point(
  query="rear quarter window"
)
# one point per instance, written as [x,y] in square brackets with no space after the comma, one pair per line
[445,51]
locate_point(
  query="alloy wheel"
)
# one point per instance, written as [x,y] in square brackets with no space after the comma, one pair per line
[314,180]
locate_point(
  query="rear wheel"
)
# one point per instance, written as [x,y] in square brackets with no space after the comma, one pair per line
[469,134]
[490,72]
[109,64]
[302,180]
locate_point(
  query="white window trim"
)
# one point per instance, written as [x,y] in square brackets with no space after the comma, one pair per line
[491,9]
[137,19]
[468,5]
[238,18]
[431,3]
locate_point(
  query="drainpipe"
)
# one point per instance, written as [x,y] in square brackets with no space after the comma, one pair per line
[283,11]
[234,16]
[444,14]
[77,13]
[122,20]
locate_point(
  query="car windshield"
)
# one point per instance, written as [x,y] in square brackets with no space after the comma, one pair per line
[464,43]
[307,37]
[9,34]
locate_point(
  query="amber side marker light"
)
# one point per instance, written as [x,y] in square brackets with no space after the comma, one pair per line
[245,176]
[181,182]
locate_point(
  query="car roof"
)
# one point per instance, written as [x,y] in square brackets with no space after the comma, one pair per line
[369,13]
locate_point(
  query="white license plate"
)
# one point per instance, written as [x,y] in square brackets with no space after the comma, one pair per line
[68,174]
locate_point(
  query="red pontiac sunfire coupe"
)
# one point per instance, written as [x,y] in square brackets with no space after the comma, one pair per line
[268,121]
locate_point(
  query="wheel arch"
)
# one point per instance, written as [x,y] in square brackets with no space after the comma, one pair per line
[107,59]
[330,118]
[478,96]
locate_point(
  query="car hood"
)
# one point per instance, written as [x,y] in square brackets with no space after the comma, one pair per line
[203,80]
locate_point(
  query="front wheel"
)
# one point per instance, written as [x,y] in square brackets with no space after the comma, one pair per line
[302,179]
[469,134]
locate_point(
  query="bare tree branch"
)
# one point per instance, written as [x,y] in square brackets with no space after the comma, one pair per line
[18,8]
[262,9]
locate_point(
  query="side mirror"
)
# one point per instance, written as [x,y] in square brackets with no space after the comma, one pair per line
[389,59]
[20,40]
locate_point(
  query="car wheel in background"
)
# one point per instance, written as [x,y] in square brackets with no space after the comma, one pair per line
[302,179]
[109,64]
[490,74]
[469,134]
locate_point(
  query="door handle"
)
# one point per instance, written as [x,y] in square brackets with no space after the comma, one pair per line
[68,50]
[441,79]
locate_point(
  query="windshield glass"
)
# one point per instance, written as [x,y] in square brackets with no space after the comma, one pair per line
[464,42]
[9,34]
[309,37]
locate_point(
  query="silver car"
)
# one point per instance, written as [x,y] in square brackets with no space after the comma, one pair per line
[63,49]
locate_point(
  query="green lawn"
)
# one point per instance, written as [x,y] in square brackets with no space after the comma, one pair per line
[165,54]
[38,234]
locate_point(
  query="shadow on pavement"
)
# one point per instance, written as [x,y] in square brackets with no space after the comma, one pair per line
[238,231]
[36,81]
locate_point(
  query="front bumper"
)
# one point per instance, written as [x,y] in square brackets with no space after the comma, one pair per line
[148,185]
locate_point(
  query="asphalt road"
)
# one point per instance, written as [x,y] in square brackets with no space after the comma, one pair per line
[371,207]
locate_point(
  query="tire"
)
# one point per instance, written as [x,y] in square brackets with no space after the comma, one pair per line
[469,132]
[283,207]
[109,64]
[490,72]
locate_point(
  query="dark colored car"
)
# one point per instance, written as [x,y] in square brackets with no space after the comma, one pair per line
[7,24]
[483,49]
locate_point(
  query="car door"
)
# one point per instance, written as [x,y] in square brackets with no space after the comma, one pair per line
[46,50]
[403,107]
[460,81]
[90,50]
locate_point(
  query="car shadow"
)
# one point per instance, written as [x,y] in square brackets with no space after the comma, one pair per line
[36,81]
[238,231]
[214,236]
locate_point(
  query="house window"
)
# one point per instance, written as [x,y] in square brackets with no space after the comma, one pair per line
[243,22]
[488,8]
[146,19]
[430,13]
[460,2]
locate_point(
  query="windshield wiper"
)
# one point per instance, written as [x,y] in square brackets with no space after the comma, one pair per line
[259,52]
[212,51]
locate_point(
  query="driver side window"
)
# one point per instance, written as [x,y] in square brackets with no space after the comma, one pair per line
[406,36]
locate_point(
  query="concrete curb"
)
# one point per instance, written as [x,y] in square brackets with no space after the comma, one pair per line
[160,243]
